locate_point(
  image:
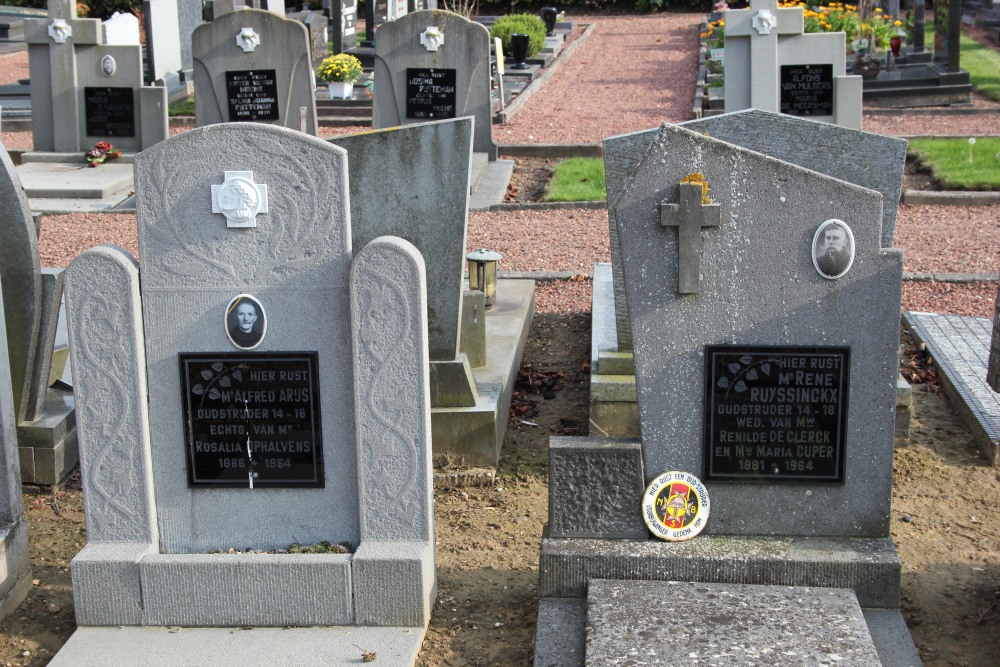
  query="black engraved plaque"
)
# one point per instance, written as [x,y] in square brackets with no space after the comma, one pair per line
[252,420]
[430,93]
[775,414]
[252,95]
[109,112]
[807,90]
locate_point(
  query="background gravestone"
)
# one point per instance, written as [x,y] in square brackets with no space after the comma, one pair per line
[417,84]
[345,344]
[84,91]
[267,79]
[44,416]
[393,193]
[772,65]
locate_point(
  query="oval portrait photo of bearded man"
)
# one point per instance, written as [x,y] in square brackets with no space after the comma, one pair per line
[833,249]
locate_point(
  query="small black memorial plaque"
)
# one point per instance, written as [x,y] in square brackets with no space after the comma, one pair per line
[807,90]
[430,93]
[110,112]
[775,414]
[253,94]
[252,420]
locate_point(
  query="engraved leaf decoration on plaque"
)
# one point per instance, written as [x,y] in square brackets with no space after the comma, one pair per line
[295,234]
[198,389]
[743,372]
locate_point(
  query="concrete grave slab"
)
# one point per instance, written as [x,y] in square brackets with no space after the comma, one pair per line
[960,347]
[181,647]
[725,624]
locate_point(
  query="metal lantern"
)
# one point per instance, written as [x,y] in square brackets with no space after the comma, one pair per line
[483,273]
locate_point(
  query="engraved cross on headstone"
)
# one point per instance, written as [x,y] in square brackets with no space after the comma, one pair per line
[58,74]
[763,23]
[689,217]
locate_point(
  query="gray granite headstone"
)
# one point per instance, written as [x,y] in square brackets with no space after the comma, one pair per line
[253,65]
[251,209]
[412,182]
[15,564]
[822,147]
[446,76]
[759,287]
[20,273]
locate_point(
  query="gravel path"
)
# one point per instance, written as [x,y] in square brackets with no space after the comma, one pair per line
[586,101]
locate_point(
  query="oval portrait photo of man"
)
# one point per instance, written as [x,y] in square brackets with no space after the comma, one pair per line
[246,322]
[833,249]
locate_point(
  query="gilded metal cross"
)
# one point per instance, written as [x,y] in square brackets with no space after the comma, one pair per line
[689,216]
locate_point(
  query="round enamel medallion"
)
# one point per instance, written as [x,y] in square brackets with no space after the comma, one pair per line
[675,506]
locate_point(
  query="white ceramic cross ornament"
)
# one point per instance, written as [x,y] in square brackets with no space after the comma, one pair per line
[689,216]
[239,199]
[763,23]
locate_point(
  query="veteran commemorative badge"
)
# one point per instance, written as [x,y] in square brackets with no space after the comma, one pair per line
[675,506]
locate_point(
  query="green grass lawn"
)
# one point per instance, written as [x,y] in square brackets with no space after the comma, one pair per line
[983,65]
[184,107]
[577,179]
[949,162]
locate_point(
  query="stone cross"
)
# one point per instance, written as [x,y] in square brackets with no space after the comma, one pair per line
[763,23]
[62,24]
[689,216]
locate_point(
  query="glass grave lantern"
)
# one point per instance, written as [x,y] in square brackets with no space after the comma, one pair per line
[483,273]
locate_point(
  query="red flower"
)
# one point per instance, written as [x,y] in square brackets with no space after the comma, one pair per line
[102,146]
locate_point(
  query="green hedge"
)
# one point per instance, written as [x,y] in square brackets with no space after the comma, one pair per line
[527,24]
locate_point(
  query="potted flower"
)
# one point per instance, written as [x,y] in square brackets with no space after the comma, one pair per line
[341,72]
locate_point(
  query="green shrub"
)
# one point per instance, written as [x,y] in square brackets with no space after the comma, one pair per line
[527,24]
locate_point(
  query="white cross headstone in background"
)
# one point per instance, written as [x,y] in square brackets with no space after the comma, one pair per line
[56,82]
[763,23]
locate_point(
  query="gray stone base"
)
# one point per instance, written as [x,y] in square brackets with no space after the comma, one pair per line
[960,347]
[571,636]
[489,180]
[47,446]
[249,647]
[15,566]
[868,566]
[473,436]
